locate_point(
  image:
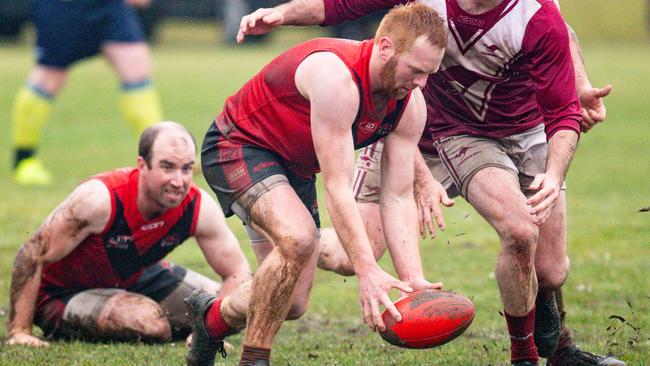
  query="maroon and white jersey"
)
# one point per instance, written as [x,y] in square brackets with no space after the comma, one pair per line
[504,71]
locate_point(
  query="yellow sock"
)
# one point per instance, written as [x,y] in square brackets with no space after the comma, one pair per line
[30,112]
[141,106]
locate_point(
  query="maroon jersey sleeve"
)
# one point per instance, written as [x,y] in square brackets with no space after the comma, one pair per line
[547,40]
[337,11]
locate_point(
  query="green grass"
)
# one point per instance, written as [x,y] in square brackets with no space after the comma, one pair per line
[597,20]
[609,241]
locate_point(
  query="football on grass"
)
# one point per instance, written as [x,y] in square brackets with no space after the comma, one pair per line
[429,318]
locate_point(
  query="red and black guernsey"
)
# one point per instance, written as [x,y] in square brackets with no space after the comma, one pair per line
[269,112]
[116,257]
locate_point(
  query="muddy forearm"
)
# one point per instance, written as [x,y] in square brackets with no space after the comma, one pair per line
[25,281]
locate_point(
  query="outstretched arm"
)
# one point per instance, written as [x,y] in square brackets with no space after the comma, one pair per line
[325,80]
[398,209]
[591,99]
[84,212]
[296,12]
[309,12]
[220,247]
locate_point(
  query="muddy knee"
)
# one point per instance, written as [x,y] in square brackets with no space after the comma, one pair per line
[131,316]
[114,314]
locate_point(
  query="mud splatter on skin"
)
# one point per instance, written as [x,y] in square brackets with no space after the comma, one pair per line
[277,276]
[517,283]
[29,260]
[24,270]
[129,317]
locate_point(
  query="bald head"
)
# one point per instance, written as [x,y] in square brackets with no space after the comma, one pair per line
[167,129]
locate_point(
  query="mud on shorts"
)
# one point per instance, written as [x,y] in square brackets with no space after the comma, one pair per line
[165,283]
[460,157]
[240,174]
[68,31]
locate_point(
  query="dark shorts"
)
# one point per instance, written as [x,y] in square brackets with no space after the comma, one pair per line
[68,31]
[156,282]
[232,169]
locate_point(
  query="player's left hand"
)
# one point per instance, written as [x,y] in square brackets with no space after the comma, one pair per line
[542,202]
[593,108]
[419,284]
[429,195]
[261,21]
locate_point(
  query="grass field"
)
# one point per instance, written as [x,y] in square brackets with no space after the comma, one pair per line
[607,294]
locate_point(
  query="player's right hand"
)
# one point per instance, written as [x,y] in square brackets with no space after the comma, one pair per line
[429,195]
[24,339]
[374,286]
[261,21]
[593,107]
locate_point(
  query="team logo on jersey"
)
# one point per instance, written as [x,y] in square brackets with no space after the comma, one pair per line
[152,226]
[492,51]
[171,240]
[369,126]
[120,242]
[464,19]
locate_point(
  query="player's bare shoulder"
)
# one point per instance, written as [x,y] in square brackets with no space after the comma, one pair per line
[211,217]
[88,207]
[324,72]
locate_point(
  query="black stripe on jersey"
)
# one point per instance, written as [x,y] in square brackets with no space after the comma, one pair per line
[119,244]
[121,248]
[388,124]
[173,238]
[355,124]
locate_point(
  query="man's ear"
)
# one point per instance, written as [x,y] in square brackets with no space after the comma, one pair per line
[141,163]
[386,48]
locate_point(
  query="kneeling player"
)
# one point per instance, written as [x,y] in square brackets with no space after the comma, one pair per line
[94,269]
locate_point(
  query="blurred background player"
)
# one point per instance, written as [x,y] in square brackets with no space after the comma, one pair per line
[66,32]
[95,270]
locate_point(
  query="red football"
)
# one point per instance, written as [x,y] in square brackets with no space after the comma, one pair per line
[429,319]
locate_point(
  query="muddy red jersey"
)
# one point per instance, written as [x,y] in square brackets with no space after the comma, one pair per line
[270,113]
[504,71]
[129,243]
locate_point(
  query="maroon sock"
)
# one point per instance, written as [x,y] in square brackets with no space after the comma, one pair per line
[215,324]
[251,355]
[522,344]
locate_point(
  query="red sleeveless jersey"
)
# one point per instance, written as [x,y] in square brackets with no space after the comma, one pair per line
[129,243]
[269,112]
